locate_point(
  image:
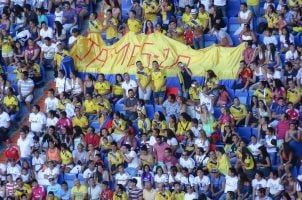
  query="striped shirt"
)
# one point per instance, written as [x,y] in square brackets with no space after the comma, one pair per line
[135,193]
[25,86]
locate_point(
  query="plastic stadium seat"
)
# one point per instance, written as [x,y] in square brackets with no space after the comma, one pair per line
[233,8]
[67,65]
[209,40]
[69,178]
[294,171]
[231,92]
[217,112]
[121,101]
[245,132]
[51,20]
[172,90]
[232,28]
[158,108]
[243,99]
[96,125]
[241,93]
[60,178]
[199,79]
[149,111]
[42,70]
[225,20]
[260,37]
[296,146]
[11,77]
[255,131]
[228,83]
[118,107]
[235,40]
[15,87]
[81,178]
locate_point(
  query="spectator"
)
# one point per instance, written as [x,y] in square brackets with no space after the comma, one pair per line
[128,84]
[70,19]
[130,106]
[143,78]
[131,158]
[94,189]
[37,120]
[245,16]
[25,89]
[79,191]
[110,27]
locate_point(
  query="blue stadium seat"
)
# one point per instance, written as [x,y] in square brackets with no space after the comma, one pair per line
[294,171]
[232,28]
[51,20]
[243,99]
[81,178]
[255,131]
[238,93]
[119,107]
[121,101]
[11,77]
[228,83]
[42,81]
[231,92]
[158,108]
[251,93]
[69,178]
[96,125]
[245,132]
[233,8]
[217,112]
[235,40]
[282,59]
[15,87]
[225,20]
[149,111]
[260,37]
[209,40]
[60,178]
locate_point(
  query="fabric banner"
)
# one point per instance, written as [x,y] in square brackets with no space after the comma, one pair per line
[91,55]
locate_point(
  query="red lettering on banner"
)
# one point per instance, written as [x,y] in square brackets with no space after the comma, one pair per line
[147,54]
[126,46]
[167,52]
[181,58]
[98,57]
[90,48]
[132,54]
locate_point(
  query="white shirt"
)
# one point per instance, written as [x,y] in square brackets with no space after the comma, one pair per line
[231,183]
[71,40]
[95,192]
[122,178]
[259,184]
[61,83]
[46,33]
[130,85]
[176,178]
[59,16]
[51,104]
[134,163]
[25,146]
[270,147]
[290,38]
[4,120]
[172,142]
[272,39]
[204,144]
[48,51]
[51,122]
[254,148]
[161,179]
[88,173]
[274,186]
[190,163]
[219,2]
[38,162]
[191,196]
[204,99]
[51,172]
[14,171]
[3,170]
[202,182]
[187,180]
[299,75]
[37,121]
[206,4]
[289,55]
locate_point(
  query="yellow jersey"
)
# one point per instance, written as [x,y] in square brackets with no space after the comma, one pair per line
[111,28]
[183,127]
[66,157]
[95,26]
[58,57]
[186,18]
[150,10]
[144,125]
[293,95]
[115,158]
[204,18]
[134,25]
[117,89]
[142,77]
[101,106]
[194,92]
[265,95]
[252,2]
[79,193]
[102,88]
[7,44]
[238,112]
[272,21]
[11,102]
[90,106]
[159,78]
[80,121]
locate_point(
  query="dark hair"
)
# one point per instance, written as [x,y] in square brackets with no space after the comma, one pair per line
[59,27]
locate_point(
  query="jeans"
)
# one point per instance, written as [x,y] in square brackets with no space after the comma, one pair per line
[255,10]
[47,63]
[272,156]
[131,171]
[198,43]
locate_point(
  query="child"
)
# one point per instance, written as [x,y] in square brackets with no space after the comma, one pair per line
[188,36]
[36,144]
[281,23]
[58,14]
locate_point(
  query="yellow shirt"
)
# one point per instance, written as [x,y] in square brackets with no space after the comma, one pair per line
[223,164]
[272,21]
[11,102]
[62,104]
[293,95]
[95,26]
[265,95]
[111,30]
[115,158]
[134,25]
[79,193]
[292,3]
[249,163]
[59,56]
[166,196]
[121,125]
[178,196]
[180,37]
[90,106]
[186,18]
[211,165]
[80,121]
[252,2]
[144,125]
[194,93]
[66,157]
[164,13]
[238,112]
[26,188]
[142,77]
[150,10]
[19,72]
[117,89]
[102,88]
[120,197]
[6,44]
[158,78]
[160,125]
[203,18]
[183,127]
[211,83]
[101,106]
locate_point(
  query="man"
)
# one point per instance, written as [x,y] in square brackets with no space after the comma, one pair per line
[135,192]
[62,83]
[274,186]
[171,107]
[91,138]
[269,38]
[143,79]
[148,192]
[150,10]
[45,32]
[5,123]
[79,119]
[47,54]
[244,77]
[60,54]
[175,32]
[139,10]
[90,107]
[184,75]
[11,104]
[231,183]
[162,193]
[37,120]
[114,158]
[121,177]
[190,194]
[25,89]
[245,17]
[159,150]
[133,24]
[25,144]
[202,182]
[65,192]
[13,169]
[177,193]
[128,84]
[75,35]
[70,17]
[89,172]
[130,106]
[194,91]
[223,37]
[239,112]
[131,158]
[106,192]
[51,102]
[206,99]
[159,81]
[38,191]
[217,184]
[23,188]
[79,154]
[292,112]
[94,189]
[79,191]
[110,27]
[11,151]
[278,111]
[198,28]
[54,187]
[187,162]
[204,17]
[51,172]
[262,195]
[169,159]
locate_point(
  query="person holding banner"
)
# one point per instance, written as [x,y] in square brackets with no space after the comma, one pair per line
[133,24]
[159,81]
[143,78]
[110,27]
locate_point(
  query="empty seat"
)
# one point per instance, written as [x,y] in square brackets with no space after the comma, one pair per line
[209,40]
[158,108]
[233,8]
[235,40]
[149,111]
[245,133]
[217,112]
[172,90]
[96,125]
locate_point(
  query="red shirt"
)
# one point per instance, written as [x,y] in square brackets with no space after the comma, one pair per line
[188,36]
[12,152]
[38,192]
[248,54]
[293,114]
[93,139]
[246,74]
[107,194]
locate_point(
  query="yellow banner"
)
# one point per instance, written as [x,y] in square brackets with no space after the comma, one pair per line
[92,55]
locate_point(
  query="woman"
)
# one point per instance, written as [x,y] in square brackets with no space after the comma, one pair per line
[293,134]
[149,29]
[202,141]
[159,29]
[82,8]
[53,153]
[263,162]
[248,162]
[145,157]
[5,21]
[290,185]
[41,17]
[117,90]
[264,93]
[223,96]
[101,173]
[172,124]
[18,52]
[102,86]
[89,84]
[183,125]
[34,30]
[259,54]
[244,188]
[64,122]
[282,127]
[262,128]
[247,35]
[211,82]
[115,7]
[212,161]
[160,177]
[32,51]
[216,18]
[188,144]
[182,102]
[278,90]
[147,175]
[252,118]
[207,120]
[286,38]
[272,57]
[118,127]
[171,140]
[159,121]
[19,17]
[226,118]
[129,138]
[271,144]
[66,158]
[286,159]
[271,17]
[60,33]
[77,137]
[223,161]
[259,74]
[76,84]
[263,110]
[120,193]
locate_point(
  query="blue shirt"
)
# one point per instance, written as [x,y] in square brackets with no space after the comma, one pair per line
[55,189]
[65,195]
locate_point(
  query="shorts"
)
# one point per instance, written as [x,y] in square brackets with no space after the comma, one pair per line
[7,54]
[29,98]
[144,96]
[159,94]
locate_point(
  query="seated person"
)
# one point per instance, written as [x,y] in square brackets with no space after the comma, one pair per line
[34,71]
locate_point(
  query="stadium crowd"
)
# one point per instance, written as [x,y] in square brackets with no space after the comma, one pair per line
[137,137]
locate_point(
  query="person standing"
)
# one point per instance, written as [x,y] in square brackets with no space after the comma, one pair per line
[159,81]
[184,75]
[143,79]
